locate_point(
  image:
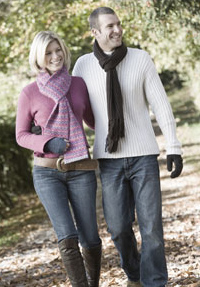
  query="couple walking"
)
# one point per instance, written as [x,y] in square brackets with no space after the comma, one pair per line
[111,90]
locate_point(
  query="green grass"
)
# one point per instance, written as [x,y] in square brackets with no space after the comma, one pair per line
[184,108]
[188,125]
[20,220]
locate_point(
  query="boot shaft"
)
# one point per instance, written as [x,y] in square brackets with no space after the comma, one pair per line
[92,260]
[73,262]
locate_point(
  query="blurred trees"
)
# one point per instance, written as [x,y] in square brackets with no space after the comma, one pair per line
[168,30]
[15,165]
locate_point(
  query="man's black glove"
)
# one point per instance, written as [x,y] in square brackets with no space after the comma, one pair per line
[177,161]
[35,129]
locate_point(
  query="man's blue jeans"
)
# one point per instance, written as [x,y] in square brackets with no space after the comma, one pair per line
[138,176]
[64,192]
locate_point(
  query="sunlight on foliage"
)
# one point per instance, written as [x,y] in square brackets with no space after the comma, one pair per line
[168,30]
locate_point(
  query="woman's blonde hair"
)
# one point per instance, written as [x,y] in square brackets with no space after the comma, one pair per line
[38,50]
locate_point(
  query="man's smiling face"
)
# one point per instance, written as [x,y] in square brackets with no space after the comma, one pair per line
[109,33]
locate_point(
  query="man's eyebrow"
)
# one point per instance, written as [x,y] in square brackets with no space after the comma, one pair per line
[111,23]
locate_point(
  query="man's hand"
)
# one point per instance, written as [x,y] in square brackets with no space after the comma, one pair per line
[177,161]
[35,129]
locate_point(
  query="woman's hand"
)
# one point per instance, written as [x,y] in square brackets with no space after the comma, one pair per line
[57,145]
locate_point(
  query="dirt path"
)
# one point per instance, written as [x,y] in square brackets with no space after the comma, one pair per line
[35,261]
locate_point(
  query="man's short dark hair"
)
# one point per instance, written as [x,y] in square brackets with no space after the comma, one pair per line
[94,16]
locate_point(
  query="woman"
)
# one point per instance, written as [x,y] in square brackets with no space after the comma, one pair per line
[64,177]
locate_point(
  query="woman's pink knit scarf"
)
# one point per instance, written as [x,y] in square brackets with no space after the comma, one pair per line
[62,121]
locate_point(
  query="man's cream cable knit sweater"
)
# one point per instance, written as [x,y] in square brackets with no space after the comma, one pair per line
[141,87]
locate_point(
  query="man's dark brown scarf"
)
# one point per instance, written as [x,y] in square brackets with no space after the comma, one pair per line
[114,96]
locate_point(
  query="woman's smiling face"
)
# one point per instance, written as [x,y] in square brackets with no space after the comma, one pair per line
[54,57]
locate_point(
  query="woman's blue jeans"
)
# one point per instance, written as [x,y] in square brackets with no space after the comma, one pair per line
[122,180]
[69,199]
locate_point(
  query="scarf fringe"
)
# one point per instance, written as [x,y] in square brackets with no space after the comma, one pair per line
[113,136]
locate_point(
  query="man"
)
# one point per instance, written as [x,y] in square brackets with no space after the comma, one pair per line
[122,84]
